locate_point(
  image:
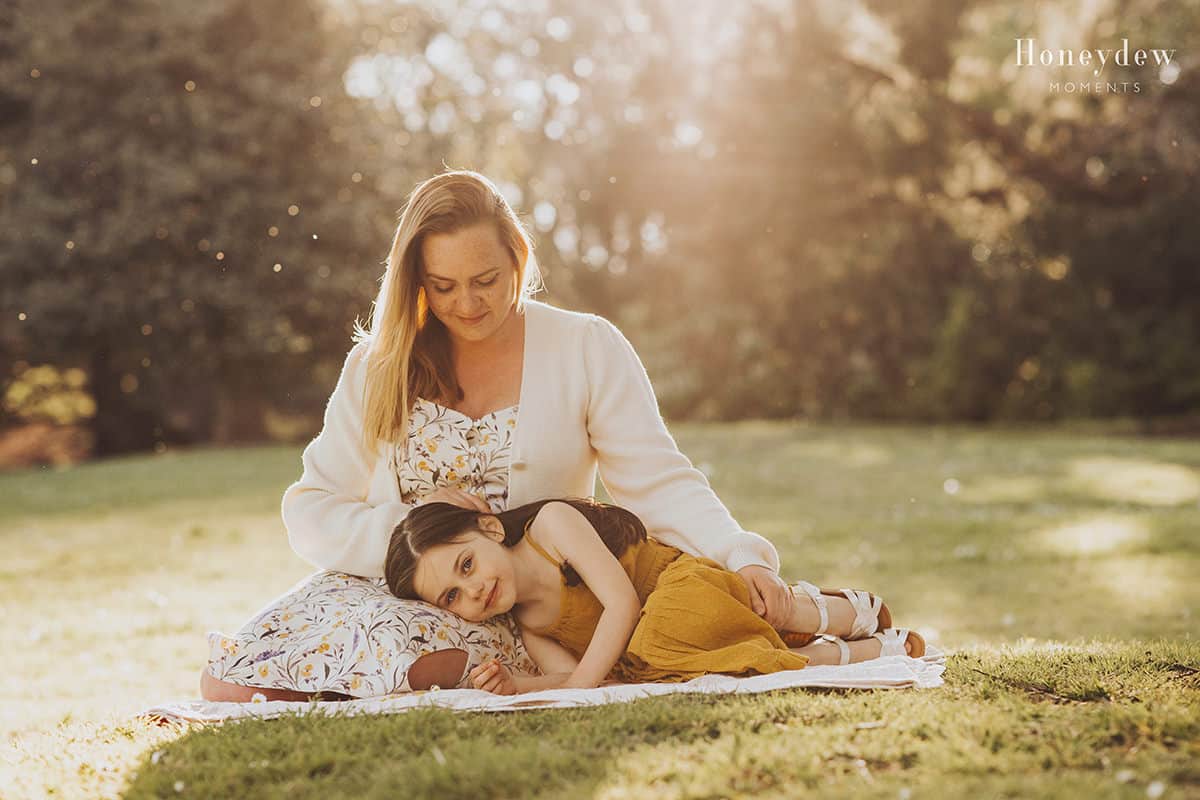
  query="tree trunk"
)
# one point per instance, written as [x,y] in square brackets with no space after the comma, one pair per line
[240,416]
[124,422]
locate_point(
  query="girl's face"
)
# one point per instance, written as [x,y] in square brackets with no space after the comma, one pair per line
[470,280]
[471,577]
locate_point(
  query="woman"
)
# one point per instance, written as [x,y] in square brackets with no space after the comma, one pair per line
[463,390]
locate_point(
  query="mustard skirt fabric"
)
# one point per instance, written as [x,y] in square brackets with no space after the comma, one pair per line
[698,620]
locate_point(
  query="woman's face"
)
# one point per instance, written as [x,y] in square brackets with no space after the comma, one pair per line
[470,280]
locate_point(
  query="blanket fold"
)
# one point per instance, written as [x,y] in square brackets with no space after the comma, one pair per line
[893,672]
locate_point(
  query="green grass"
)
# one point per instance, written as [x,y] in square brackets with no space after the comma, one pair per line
[1057,568]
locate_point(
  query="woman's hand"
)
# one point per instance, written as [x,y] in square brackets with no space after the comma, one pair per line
[456,497]
[492,676]
[770,597]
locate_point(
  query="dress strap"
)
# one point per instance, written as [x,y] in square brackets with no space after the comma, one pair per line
[533,543]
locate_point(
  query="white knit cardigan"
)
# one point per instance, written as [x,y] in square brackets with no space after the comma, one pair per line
[585,401]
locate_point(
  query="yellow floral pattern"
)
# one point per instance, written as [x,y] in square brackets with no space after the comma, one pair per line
[447,448]
[342,633]
[368,654]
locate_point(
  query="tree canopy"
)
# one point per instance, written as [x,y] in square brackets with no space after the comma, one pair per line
[815,208]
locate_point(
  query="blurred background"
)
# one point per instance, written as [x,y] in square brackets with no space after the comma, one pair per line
[820,209]
[901,296]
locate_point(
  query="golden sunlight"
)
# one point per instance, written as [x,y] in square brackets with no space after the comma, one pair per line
[1133,480]
[1097,535]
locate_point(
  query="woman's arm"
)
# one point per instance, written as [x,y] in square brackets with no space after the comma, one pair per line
[568,535]
[327,520]
[641,466]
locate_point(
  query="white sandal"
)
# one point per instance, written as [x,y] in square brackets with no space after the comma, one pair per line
[818,600]
[892,642]
[843,649]
[871,614]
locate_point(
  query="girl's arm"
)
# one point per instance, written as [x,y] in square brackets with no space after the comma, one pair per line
[554,660]
[569,535]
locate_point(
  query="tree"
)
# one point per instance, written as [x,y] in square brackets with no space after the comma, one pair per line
[188,205]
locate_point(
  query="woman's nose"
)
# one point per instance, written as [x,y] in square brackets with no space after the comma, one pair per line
[469,300]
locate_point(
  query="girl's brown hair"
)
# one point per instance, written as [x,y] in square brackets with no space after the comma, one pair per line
[441,523]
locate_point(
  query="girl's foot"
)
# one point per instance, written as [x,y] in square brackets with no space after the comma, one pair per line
[847,613]
[830,650]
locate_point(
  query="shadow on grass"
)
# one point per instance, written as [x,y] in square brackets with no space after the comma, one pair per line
[983,536]
[1039,718]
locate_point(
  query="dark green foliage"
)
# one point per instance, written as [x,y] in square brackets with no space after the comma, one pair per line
[787,216]
[169,139]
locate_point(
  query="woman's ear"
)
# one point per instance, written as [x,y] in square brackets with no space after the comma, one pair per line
[491,525]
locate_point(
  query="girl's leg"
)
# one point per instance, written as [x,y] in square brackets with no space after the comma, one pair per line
[806,618]
[827,653]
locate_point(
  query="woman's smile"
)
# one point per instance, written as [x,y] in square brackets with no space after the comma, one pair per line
[491,598]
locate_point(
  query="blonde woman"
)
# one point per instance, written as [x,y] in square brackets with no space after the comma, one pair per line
[464,390]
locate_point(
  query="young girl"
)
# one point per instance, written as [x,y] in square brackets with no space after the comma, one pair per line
[596,599]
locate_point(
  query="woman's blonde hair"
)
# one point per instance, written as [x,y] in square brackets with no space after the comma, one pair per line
[408,355]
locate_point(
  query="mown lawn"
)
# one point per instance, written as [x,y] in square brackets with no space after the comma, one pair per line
[1058,568]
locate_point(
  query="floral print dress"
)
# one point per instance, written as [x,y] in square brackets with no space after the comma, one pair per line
[447,448]
[335,632]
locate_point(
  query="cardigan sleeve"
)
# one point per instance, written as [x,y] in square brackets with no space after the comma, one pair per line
[328,523]
[641,466]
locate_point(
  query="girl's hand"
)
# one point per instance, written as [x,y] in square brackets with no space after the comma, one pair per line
[456,497]
[770,597]
[492,676]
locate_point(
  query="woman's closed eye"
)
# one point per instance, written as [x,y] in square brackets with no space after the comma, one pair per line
[483,283]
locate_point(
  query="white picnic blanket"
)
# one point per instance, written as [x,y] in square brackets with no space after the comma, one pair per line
[893,672]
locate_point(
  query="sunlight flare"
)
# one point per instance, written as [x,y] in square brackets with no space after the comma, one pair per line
[1134,480]
[1097,535]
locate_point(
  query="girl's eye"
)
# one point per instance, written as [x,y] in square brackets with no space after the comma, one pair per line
[450,595]
[466,565]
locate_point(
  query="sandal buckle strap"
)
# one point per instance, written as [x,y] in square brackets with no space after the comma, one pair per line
[818,600]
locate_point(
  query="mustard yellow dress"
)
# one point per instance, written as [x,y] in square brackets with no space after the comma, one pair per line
[696,619]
